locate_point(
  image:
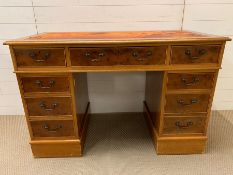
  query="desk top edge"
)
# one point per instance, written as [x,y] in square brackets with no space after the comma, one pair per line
[115,37]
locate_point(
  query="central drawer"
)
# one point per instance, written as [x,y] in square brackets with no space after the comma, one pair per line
[110,56]
[49,106]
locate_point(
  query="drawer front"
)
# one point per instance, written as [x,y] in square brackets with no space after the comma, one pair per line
[49,106]
[40,57]
[190,80]
[93,56]
[45,84]
[143,55]
[52,128]
[195,54]
[186,103]
[184,125]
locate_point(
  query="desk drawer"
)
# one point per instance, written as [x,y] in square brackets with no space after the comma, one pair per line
[143,55]
[190,80]
[186,103]
[39,57]
[195,54]
[183,125]
[49,106]
[52,128]
[45,84]
[93,56]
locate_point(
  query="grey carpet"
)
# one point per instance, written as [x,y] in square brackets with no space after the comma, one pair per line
[117,144]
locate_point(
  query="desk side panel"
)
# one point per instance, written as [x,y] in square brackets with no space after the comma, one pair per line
[153,96]
[81,99]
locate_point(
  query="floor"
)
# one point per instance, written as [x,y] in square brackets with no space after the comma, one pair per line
[117,144]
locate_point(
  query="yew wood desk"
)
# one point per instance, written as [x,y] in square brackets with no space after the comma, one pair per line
[181,72]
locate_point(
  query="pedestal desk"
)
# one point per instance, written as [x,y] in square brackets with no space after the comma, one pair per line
[181,72]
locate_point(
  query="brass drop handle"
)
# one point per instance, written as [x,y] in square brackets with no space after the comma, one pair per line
[88,55]
[36,58]
[101,54]
[183,103]
[99,57]
[149,53]
[190,55]
[48,128]
[184,125]
[194,80]
[46,108]
[136,56]
[40,84]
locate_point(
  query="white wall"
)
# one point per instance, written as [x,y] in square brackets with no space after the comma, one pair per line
[122,91]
